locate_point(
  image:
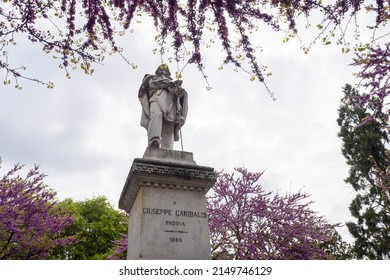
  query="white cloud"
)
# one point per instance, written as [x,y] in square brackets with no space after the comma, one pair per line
[85,133]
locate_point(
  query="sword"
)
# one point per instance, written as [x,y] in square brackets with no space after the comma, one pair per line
[178,116]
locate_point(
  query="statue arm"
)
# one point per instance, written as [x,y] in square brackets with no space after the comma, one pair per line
[145,115]
[145,105]
[160,82]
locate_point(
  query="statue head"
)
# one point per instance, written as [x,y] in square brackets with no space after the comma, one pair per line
[163,69]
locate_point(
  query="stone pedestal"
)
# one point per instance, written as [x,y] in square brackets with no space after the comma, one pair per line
[164,195]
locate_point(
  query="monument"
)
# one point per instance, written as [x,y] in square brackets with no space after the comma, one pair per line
[164,192]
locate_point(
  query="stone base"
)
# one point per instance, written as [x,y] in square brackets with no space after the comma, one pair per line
[165,199]
[170,156]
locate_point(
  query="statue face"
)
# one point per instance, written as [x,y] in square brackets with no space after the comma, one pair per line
[163,70]
[164,73]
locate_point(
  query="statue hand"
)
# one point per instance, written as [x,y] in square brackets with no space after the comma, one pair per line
[177,90]
[178,83]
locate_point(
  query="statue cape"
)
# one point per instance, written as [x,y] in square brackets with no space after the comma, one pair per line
[145,115]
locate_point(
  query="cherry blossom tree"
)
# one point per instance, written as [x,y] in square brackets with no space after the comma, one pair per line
[30,221]
[375,80]
[248,223]
[120,248]
[80,32]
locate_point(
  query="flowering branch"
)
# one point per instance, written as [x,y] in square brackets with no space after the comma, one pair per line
[30,221]
[81,32]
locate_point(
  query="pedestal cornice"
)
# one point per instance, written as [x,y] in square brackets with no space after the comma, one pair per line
[164,174]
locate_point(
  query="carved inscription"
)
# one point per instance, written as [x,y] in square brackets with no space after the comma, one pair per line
[174,225]
[177,213]
[156,211]
[190,214]
[175,239]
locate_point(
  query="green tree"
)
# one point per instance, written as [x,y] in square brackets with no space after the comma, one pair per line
[337,249]
[365,148]
[98,224]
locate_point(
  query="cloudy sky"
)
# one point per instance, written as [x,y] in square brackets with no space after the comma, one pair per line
[85,132]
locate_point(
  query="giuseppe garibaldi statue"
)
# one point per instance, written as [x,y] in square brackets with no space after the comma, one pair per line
[164,108]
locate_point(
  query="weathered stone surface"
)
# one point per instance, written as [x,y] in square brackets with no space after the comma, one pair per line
[166,173]
[168,224]
[165,199]
[172,156]
[164,107]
